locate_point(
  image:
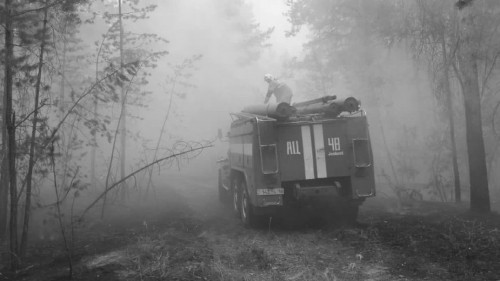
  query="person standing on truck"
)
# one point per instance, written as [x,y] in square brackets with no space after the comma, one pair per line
[281,91]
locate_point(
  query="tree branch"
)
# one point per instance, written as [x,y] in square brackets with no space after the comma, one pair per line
[75,104]
[138,171]
[61,200]
[493,119]
[55,3]
[488,74]
[28,116]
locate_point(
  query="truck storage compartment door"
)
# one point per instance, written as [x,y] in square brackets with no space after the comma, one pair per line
[240,145]
[295,154]
[314,150]
[362,174]
[337,148]
[267,146]
[362,153]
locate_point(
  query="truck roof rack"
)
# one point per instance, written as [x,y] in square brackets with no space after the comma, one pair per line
[325,107]
[246,116]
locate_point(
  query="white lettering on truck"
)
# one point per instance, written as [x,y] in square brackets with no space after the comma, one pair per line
[292,148]
[334,143]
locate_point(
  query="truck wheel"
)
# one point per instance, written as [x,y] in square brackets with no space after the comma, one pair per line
[236,192]
[247,216]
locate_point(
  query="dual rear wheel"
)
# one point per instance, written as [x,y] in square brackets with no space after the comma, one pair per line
[242,206]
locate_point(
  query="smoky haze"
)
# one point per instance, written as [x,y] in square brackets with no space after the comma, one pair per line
[228,77]
[117,164]
[116,159]
[402,112]
[226,47]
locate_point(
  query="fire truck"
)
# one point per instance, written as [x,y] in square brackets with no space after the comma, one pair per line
[313,153]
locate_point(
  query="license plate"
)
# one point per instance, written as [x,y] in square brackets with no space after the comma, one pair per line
[271,191]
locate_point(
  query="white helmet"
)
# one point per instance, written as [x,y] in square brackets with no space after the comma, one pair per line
[268,78]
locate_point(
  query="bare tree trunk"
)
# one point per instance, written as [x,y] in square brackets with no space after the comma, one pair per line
[456,173]
[172,89]
[60,214]
[4,189]
[4,184]
[9,119]
[4,181]
[123,129]
[389,157]
[120,119]
[479,192]
[31,161]
[62,93]
[93,149]
[14,251]
[451,121]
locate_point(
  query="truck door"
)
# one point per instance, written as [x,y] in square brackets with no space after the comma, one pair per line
[314,151]
[267,146]
[294,150]
[329,149]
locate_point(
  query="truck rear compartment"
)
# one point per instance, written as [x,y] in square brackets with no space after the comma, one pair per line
[312,161]
[309,150]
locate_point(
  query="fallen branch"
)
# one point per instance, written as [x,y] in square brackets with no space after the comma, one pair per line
[138,171]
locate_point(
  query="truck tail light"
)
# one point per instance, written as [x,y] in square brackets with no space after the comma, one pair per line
[361,153]
[269,159]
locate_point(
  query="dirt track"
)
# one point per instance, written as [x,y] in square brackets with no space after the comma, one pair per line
[279,252]
[189,235]
[391,242]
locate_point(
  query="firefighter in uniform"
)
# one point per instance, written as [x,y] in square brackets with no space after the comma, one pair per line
[281,91]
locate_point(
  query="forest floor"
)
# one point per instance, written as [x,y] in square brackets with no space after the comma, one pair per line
[189,235]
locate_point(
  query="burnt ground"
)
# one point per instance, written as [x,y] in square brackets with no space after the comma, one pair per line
[188,235]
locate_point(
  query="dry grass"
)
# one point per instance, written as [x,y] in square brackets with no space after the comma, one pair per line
[448,247]
[427,242]
[308,255]
[177,253]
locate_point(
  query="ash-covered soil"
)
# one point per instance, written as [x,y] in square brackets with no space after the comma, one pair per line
[186,234]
